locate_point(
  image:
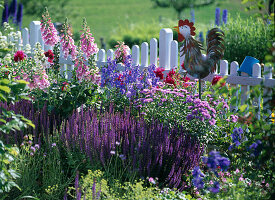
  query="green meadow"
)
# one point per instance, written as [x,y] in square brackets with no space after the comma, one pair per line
[105,16]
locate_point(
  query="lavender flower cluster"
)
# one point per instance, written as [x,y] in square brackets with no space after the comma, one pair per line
[151,150]
[44,123]
[130,80]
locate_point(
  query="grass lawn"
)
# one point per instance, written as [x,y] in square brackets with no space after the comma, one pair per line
[103,16]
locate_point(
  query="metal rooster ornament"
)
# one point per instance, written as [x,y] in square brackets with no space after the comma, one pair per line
[195,63]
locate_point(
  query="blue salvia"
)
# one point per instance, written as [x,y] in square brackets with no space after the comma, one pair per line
[19,16]
[192,13]
[224,16]
[201,39]
[217,16]
[5,14]
[13,10]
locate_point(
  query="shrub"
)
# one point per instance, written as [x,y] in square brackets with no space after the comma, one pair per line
[135,34]
[247,37]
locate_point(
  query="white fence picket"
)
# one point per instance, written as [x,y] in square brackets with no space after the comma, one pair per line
[165,39]
[34,31]
[144,55]
[174,55]
[25,36]
[256,73]
[154,51]
[110,54]
[135,55]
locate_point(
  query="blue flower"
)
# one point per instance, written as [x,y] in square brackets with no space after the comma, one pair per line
[215,159]
[216,188]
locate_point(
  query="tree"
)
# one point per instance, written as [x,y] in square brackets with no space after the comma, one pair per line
[180,5]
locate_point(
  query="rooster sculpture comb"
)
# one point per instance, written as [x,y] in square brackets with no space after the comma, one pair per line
[196,64]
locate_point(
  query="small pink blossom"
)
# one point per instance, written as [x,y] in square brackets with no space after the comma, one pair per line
[151,180]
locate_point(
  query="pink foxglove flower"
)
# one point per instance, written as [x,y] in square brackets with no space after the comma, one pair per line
[48,31]
[87,41]
[121,52]
[67,42]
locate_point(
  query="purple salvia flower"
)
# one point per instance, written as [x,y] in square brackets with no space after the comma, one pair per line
[19,16]
[217,16]
[5,14]
[13,10]
[224,16]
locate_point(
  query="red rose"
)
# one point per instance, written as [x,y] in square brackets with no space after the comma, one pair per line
[49,54]
[216,80]
[159,72]
[19,56]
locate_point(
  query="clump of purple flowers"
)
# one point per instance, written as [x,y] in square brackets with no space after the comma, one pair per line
[236,136]
[151,150]
[215,160]
[198,178]
[256,147]
[128,80]
[200,110]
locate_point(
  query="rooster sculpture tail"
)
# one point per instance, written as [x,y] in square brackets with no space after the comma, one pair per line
[215,46]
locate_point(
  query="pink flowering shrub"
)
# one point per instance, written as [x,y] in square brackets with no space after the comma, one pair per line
[48,31]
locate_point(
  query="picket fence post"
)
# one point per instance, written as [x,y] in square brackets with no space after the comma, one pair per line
[174,55]
[165,39]
[135,55]
[144,55]
[154,51]
[34,31]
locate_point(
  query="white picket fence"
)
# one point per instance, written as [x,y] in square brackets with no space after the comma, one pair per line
[168,59]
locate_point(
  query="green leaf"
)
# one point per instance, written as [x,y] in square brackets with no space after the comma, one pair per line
[5,88]
[243,107]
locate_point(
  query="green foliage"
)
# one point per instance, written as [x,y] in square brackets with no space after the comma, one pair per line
[95,186]
[42,172]
[180,5]
[57,8]
[258,129]
[10,91]
[135,34]
[247,37]
[7,173]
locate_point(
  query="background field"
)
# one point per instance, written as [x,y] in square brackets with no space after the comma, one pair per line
[105,16]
